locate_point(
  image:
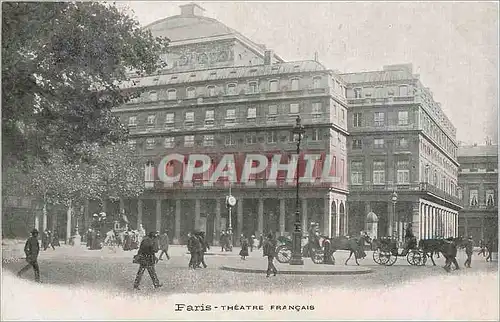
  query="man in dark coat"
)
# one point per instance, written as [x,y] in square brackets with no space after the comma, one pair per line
[147,260]
[450,254]
[32,249]
[194,247]
[203,249]
[269,251]
[469,244]
[163,242]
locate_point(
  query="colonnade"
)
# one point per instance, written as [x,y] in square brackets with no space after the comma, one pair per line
[437,221]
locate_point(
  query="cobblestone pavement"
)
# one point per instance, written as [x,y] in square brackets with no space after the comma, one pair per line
[113,270]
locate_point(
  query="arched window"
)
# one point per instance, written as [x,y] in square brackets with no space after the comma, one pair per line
[191,92]
[231,89]
[171,94]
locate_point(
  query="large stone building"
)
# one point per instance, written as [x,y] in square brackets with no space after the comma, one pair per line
[400,141]
[478,178]
[224,94]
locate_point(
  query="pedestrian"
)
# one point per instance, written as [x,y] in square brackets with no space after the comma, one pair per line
[89,238]
[252,242]
[450,254]
[269,251]
[194,247]
[327,253]
[222,240]
[164,243]
[32,249]
[141,233]
[203,249]
[468,251]
[244,247]
[261,241]
[55,240]
[146,259]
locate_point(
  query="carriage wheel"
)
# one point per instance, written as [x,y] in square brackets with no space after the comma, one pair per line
[317,257]
[380,257]
[284,254]
[414,258]
[391,259]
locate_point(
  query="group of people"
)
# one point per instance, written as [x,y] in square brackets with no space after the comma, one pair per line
[50,239]
[197,247]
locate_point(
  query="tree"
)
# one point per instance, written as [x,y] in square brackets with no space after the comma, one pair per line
[62,64]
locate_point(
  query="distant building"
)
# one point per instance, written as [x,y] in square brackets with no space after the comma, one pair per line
[478,178]
[400,141]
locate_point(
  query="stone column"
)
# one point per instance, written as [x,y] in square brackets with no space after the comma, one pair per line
[69,213]
[260,217]
[86,215]
[239,220]
[217,221]
[197,214]
[391,227]
[105,206]
[415,219]
[122,206]
[422,221]
[433,223]
[282,216]
[466,227]
[139,213]
[37,220]
[177,233]
[327,215]
[158,215]
[304,215]
[337,218]
[44,217]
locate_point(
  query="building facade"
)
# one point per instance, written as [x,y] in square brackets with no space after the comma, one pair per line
[400,141]
[478,178]
[223,94]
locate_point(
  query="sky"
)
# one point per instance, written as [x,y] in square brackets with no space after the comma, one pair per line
[452,45]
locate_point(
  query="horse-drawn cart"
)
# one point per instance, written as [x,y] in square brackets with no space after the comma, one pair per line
[387,253]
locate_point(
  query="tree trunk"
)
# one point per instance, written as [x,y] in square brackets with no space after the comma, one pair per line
[68,221]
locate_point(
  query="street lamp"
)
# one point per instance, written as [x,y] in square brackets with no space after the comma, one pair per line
[230,203]
[297,233]
[394,199]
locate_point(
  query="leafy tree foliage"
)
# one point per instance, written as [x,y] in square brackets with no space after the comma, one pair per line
[62,63]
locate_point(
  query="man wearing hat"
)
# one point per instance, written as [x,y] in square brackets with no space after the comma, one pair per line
[147,260]
[469,244]
[32,249]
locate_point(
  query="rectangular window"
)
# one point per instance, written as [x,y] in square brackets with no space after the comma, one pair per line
[132,121]
[378,143]
[317,110]
[149,174]
[403,118]
[356,172]
[357,144]
[473,198]
[151,120]
[403,172]
[295,84]
[252,113]
[150,143]
[208,140]
[358,93]
[169,119]
[132,144]
[378,118]
[378,172]
[211,91]
[273,86]
[403,143]
[379,92]
[316,82]
[272,137]
[316,135]
[171,94]
[272,112]
[153,96]
[209,117]
[189,140]
[231,89]
[251,138]
[229,139]
[169,142]
[230,115]
[403,90]
[191,92]
[358,119]
[252,88]
[294,109]
[189,118]
[342,115]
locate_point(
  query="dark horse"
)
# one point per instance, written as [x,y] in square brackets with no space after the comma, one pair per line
[354,244]
[447,247]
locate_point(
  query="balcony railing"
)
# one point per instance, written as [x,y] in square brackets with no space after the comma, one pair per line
[417,187]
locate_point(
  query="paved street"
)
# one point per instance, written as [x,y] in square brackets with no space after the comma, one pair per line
[111,270]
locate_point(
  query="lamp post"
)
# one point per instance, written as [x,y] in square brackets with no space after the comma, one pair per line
[297,233]
[230,203]
[394,199]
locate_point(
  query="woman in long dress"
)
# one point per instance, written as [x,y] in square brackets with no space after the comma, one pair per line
[244,248]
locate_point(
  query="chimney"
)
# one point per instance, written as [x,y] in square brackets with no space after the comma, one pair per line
[191,10]
[268,57]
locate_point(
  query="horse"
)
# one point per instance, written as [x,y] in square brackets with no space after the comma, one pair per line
[354,244]
[433,246]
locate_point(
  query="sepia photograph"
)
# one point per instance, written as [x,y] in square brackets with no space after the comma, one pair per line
[250,160]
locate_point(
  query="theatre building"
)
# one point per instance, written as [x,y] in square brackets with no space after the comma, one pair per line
[220,94]
[402,153]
